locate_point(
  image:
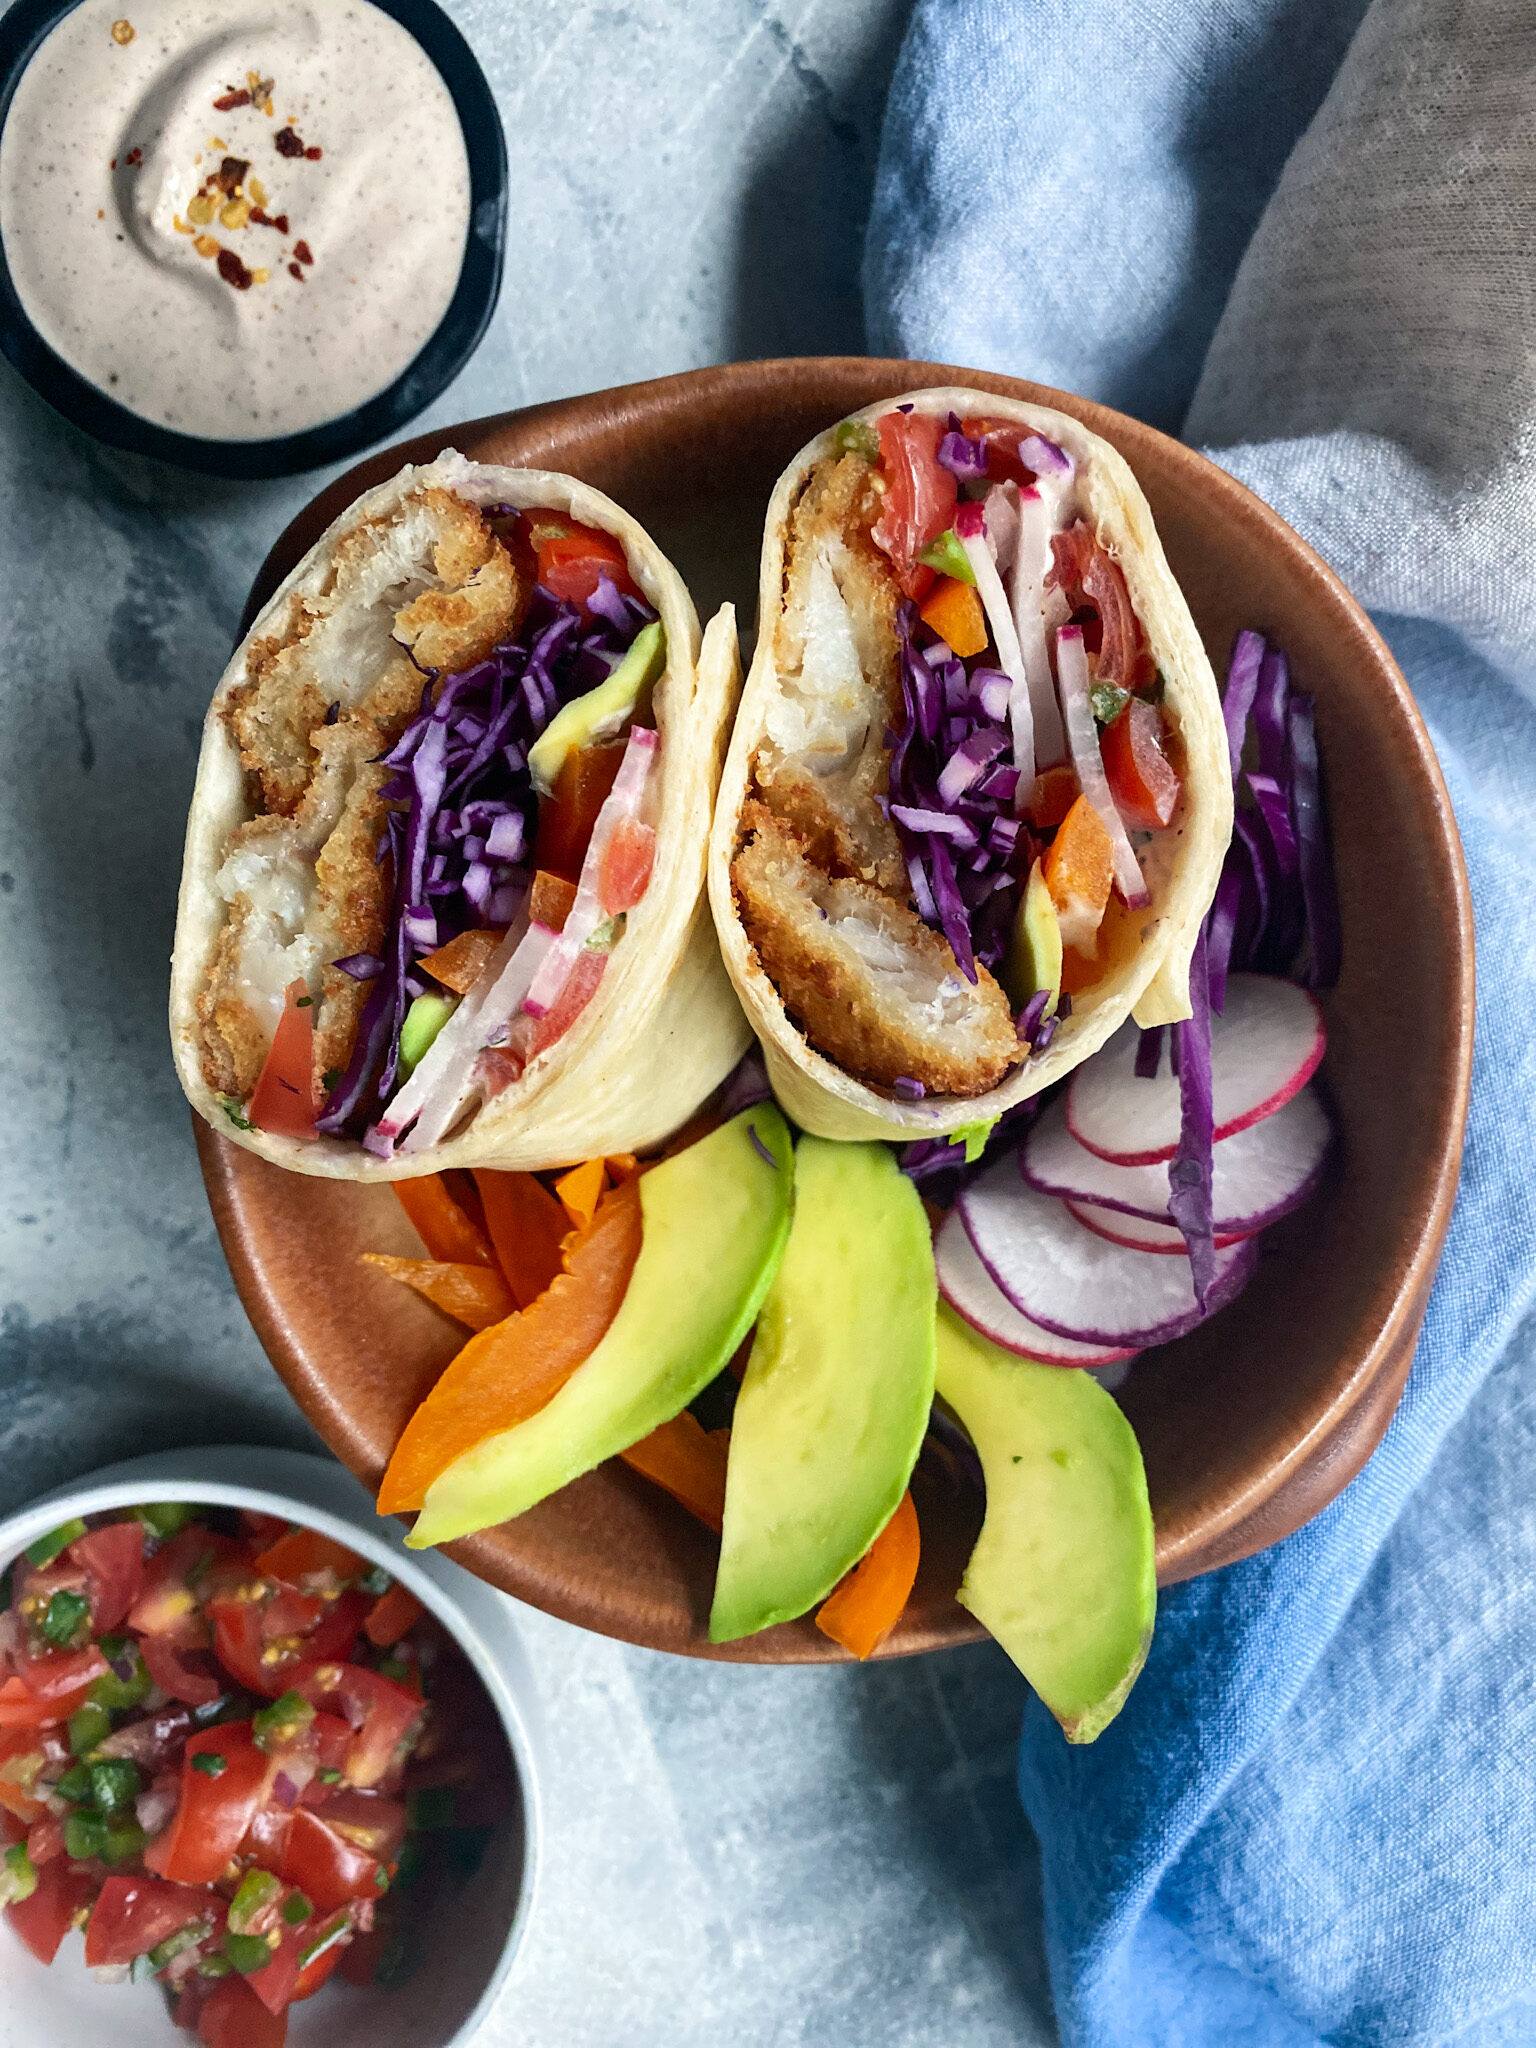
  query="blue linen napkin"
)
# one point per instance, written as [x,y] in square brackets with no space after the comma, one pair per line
[1300,232]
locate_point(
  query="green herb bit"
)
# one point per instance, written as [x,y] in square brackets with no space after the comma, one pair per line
[334,1931]
[47,1548]
[282,1723]
[1108,702]
[113,1692]
[210,1763]
[433,1807]
[177,1944]
[608,934]
[75,1783]
[858,437]
[85,1834]
[235,1113]
[115,1783]
[88,1725]
[377,1582]
[67,1620]
[18,1876]
[973,1137]
[947,555]
[296,1909]
[123,1843]
[258,1890]
[166,1517]
[247,1953]
[328,1774]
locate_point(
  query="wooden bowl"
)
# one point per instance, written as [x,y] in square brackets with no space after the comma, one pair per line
[1251,1424]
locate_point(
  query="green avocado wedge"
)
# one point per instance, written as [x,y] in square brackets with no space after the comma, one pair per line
[1062,1572]
[835,1401]
[602,713]
[715,1218]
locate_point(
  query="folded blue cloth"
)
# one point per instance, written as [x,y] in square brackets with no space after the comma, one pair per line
[1300,231]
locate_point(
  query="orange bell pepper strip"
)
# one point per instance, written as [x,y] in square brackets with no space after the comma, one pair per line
[475,1296]
[581,1190]
[391,1615]
[460,964]
[621,1166]
[1079,867]
[442,1223]
[526,1225]
[687,1461]
[1054,794]
[954,610]
[306,1550]
[507,1373]
[867,1603]
[550,900]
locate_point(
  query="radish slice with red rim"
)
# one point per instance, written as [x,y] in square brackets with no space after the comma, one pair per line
[1265,1047]
[1066,1278]
[972,1293]
[1137,1234]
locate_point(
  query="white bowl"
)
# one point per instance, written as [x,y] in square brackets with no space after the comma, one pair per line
[442,2004]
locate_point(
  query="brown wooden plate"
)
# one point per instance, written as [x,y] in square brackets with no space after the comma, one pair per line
[1252,1423]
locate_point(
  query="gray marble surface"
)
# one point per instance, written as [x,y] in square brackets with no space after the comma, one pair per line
[743,1855]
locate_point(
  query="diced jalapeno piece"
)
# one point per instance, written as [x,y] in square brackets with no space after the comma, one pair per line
[177,1944]
[125,1838]
[115,1784]
[75,1783]
[18,1876]
[215,1966]
[112,1691]
[47,1548]
[858,437]
[85,1834]
[333,1931]
[166,1517]
[275,1727]
[328,1774]
[247,1952]
[947,555]
[258,1888]
[296,1909]
[1108,702]
[88,1725]
[210,1763]
[67,1619]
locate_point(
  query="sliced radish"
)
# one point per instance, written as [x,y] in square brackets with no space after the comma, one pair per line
[1265,1047]
[1262,1173]
[971,1292]
[1061,1275]
[1138,1235]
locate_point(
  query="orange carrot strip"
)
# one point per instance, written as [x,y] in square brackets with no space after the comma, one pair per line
[526,1225]
[1079,867]
[391,1615]
[954,610]
[581,1190]
[306,1550]
[507,1373]
[550,900]
[460,964]
[867,1602]
[1054,794]
[687,1461]
[447,1230]
[621,1166]
[476,1296]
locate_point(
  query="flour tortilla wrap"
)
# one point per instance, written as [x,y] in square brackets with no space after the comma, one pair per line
[1152,984]
[663,1027]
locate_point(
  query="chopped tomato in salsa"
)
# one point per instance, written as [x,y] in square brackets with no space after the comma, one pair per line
[920,495]
[209,1762]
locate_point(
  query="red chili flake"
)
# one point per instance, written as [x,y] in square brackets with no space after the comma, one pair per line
[295,271]
[230,101]
[134,158]
[301,250]
[233,271]
[264,219]
[314,155]
[287,143]
[231,174]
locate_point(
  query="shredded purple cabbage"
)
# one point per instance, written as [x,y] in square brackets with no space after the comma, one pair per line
[462,845]
[1191,1173]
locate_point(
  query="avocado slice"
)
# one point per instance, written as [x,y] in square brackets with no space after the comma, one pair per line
[1062,1572]
[602,713]
[715,1218]
[1033,960]
[835,1401]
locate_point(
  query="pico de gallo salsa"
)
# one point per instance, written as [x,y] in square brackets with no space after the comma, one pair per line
[232,1752]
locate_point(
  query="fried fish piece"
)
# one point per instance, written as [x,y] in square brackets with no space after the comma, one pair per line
[870,985]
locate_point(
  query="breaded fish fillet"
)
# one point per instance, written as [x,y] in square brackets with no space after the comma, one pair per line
[863,977]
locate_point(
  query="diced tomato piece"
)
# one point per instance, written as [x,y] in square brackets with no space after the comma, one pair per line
[570,563]
[186,1675]
[174,1577]
[580,988]
[132,1915]
[329,1871]
[45,1690]
[1002,438]
[1142,780]
[367,1821]
[310,1980]
[303,1552]
[624,872]
[43,1920]
[24,1753]
[286,1101]
[234,2017]
[920,495]
[215,1811]
[380,1713]
[263,1641]
[45,1839]
[566,817]
[112,1559]
[262,1528]
[276,1984]
[391,1615]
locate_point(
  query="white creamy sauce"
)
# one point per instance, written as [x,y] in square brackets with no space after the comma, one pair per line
[127,251]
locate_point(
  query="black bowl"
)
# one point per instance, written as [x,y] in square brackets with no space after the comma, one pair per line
[24,27]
